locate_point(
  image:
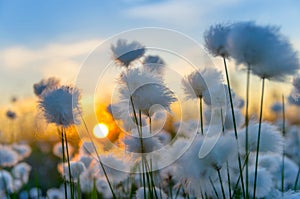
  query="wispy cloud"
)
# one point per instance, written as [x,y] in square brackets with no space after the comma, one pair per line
[178,12]
[22,66]
[19,56]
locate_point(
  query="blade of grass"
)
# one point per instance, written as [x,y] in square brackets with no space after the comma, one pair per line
[258,136]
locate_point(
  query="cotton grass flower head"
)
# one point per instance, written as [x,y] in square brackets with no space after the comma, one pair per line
[273,163]
[294,97]
[103,188]
[61,106]
[125,52]
[271,139]
[54,193]
[21,171]
[6,182]
[268,53]
[57,150]
[11,114]
[264,182]
[276,107]
[87,181]
[8,157]
[292,142]
[76,169]
[199,81]
[114,168]
[44,85]
[224,150]
[23,150]
[224,114]
[145,90]
[160,193]
[154,64]
[150,143]
[216,40]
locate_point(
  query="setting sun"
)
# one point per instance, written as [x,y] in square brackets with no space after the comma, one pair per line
[100,130]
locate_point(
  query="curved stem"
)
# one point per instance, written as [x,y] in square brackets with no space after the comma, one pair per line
[234,126]
[258,136]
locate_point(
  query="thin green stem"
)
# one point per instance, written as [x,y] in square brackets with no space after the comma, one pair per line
[221,182]
[64,160]
[234,126]
[230,98]
[222,120]
[201,113]
[99,159]
[283,116]
[258,136]
[69,165]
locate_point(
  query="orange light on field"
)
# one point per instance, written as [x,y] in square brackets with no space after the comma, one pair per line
[100,130]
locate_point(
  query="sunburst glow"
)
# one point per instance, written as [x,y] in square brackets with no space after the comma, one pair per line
[100,130]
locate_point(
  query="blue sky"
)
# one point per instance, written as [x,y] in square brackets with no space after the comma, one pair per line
[39,37]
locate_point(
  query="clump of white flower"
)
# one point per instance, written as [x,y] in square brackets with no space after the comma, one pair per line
[200,81]
[159,193]
[61,106]
[154,64]
[268,53]
[271,139]
[216,40]
[125,53]
[57,149]
[44,85]
[8,157]
[21,171]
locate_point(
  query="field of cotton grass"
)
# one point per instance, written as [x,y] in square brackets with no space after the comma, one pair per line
[225,153]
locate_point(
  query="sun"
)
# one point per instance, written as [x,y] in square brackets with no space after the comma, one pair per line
[100,130]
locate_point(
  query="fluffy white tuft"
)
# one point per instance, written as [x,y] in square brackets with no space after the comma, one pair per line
[270,139]
[61,106]
[125,52]
[44,85]
[216,40]
[264,49]
[199,81]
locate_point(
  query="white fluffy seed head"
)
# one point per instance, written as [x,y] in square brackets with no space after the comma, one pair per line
[270,139]
[145,90]
[8,157]
[23,150]
[21,171]
[200,81]
[6,182]
[264,183]
[45,84]
[160,193]
[154,64]
[216,40]
[125,53]
[264,49]
[61,106]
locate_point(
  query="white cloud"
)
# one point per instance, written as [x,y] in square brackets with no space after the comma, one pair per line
[178,12]
[21,57]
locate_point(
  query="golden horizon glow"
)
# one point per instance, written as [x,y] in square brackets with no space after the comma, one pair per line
[100,130]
